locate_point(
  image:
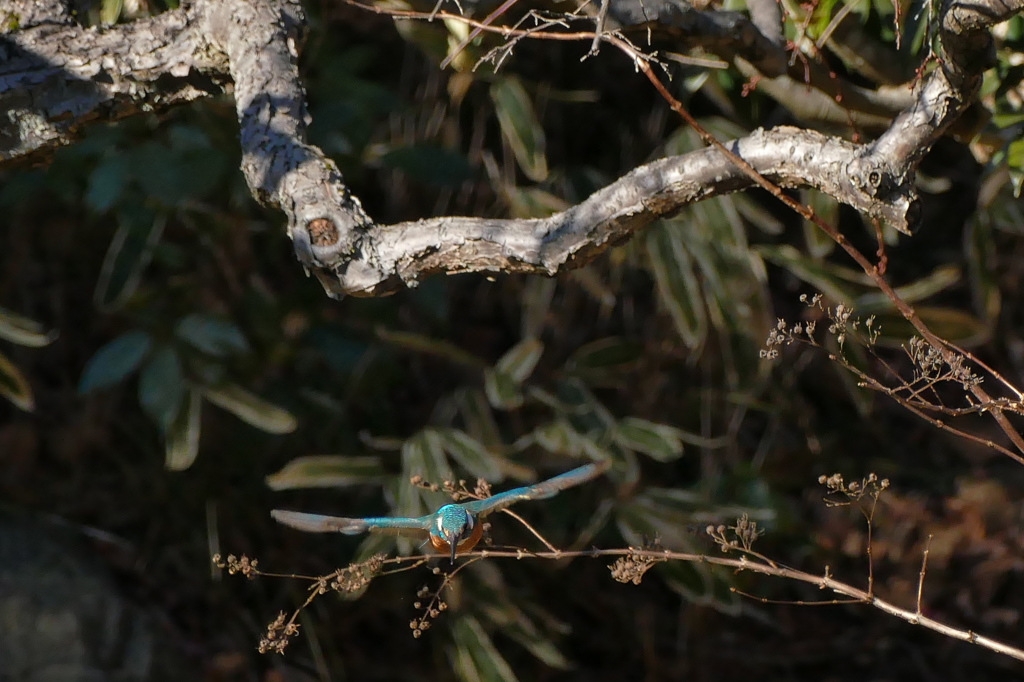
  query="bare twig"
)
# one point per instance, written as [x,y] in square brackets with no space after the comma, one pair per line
[924,569]
[536,533]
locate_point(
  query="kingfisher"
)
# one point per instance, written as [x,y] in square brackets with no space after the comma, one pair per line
[452,529]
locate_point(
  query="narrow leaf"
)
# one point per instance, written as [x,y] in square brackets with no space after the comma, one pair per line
[657,441]
[430,164]
[109,179]
[476,659]
[425,344]
[162,387]
[538,292]
[110,11]
[251,409]
[470,454]
[829,279]
[520,126]
[532,202]
[130,251]
[23,331]
[520,360]
[677,282]
[558,438]
[938,280]
[825,207]
[502,390]
[477,415]
[327,471]
[423,455]
[115,361]
[609,352]
[211,335]
[182,444]
[14,386]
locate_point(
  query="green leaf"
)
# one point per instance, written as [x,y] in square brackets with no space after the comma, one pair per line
[211,335]
[162,387]
[423,455]
[657,441]
[478,417]
[610,352]
[110,12]
[115,361]
[532,202]
[496,606]
[938,280]
[251,409]
[474,657]
[954,325]
[1015,162]
[757,214]
[678,287]
[520,360]
[471,454]
[14,386]
[107,181]
[430,164]
[825,207]
[23,331]
[182,444]
[520,126]
[130,251]
[699,585]
[502,384]
[503,392]
[426,37]
[425,344]
[558,438]
[327,471]
[831,280]
[161,173]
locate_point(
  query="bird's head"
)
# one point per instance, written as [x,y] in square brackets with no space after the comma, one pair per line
[454,524]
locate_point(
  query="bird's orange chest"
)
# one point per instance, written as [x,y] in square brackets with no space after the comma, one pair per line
[441,545]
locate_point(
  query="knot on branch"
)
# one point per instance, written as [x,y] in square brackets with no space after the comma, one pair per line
[873,177]
[894,198]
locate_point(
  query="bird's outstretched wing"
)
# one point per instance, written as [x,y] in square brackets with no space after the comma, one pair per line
[318,523]
[538,491]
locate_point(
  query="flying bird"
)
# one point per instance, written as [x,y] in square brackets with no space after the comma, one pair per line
[452,529]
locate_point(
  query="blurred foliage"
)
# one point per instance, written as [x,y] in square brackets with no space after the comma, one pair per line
[172,291]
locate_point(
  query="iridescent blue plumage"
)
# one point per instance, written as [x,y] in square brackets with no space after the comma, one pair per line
[451,529]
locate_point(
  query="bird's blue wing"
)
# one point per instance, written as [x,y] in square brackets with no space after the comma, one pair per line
[318,523]
[538,491]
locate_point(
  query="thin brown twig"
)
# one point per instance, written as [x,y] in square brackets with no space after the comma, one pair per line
[536,533]
[475,32]
[793,602]
[825,581]
[743,563]
[924,569]
[908,313]
[916,409]
[874,271]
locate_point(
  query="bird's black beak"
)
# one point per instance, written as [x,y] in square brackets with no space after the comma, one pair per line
[455,548]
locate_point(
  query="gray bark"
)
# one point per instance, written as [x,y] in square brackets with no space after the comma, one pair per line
[56,76]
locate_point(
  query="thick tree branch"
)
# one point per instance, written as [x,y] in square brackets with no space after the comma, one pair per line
[789,157]
[727,34]
[58,76]
[21,14]
[261,40]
